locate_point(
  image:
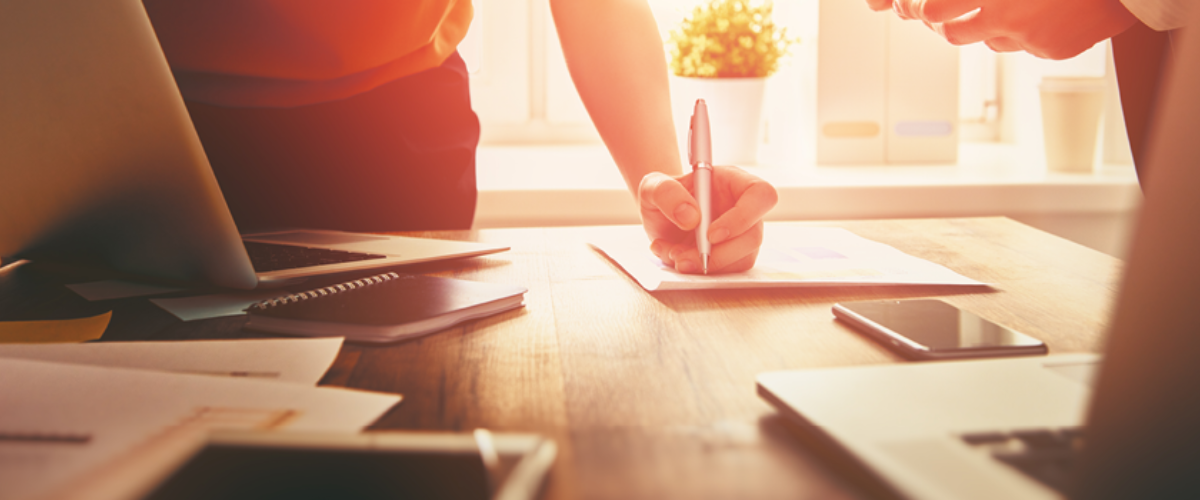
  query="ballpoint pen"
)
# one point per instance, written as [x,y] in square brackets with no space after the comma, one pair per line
[700,156]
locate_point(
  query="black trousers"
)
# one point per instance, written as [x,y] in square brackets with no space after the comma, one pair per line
[398,157]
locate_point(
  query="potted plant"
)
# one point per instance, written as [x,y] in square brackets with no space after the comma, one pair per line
[723,52]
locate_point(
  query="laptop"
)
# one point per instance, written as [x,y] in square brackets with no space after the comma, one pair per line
[1124,425]
[100,164]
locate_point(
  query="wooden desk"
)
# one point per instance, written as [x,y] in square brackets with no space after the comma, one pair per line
[652,395]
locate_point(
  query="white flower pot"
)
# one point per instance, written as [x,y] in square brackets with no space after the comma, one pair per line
[734,112]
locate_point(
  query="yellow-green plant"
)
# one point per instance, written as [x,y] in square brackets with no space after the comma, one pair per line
[728,39]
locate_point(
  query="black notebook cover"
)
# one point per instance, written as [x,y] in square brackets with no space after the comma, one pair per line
[383,308]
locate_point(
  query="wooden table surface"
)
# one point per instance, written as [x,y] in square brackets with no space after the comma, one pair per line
[652,395]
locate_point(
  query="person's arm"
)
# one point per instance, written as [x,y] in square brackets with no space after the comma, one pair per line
[1050,29]
[616,60]
[1160,15]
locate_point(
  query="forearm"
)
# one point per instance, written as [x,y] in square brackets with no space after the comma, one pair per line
[616,60]
[1160,14]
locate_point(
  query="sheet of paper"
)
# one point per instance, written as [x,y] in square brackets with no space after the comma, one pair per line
[789,257]
[61,420]
[213,306]
[117,289]
[54,331]
[302,361]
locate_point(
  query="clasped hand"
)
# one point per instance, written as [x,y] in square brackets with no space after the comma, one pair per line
[1050,29]
[670,215]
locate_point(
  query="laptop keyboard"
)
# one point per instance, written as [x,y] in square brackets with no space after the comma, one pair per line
[267,257]
[1047,455]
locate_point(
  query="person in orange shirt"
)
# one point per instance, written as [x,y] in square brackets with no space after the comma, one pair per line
[356,116]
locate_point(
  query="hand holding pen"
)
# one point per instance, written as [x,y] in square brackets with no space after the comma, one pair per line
[672,210]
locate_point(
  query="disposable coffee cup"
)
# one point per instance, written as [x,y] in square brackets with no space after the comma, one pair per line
[1071,109]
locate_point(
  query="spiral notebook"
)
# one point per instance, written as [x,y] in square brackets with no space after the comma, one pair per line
[383,308]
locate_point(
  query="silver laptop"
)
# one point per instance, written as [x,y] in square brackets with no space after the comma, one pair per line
[1054,426]
[100,164]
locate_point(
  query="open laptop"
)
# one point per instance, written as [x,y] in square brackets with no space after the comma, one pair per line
[100,164]
[1126,425]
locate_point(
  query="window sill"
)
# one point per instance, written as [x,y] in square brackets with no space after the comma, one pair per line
[580,185]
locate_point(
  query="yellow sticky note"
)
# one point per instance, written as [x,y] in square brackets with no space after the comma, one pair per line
[54,331]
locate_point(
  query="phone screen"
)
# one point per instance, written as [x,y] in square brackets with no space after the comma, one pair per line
[934,325]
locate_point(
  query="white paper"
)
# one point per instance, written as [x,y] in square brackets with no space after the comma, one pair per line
[214,306]
[118,409]
[117,289]
[789,257]
[302,361]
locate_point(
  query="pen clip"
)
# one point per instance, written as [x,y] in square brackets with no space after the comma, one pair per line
[691,143]
[699,138]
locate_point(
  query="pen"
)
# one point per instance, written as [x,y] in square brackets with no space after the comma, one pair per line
[700,156]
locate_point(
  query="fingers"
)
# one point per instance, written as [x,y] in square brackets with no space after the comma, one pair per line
[977,26]
[966,29]
[663,248]
[668,210]
[1003,44]
[735,255]
[906,9]
[661,194]
[878,5]
[670,213]
[752,199]
[737,232]
[935,11]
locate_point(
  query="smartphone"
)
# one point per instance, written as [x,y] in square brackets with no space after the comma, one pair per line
[932,329]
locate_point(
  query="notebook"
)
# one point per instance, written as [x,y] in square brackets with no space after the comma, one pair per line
[387,307]
[102,165]
[1081,426]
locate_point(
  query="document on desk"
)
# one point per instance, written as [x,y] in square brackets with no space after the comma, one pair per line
[302,361]
[789,257]
[63,420]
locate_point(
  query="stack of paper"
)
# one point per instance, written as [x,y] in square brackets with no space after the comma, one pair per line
[70,409]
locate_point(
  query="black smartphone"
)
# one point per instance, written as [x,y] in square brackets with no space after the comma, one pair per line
[932,329]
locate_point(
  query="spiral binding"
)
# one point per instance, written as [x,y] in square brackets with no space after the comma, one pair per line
[322,292]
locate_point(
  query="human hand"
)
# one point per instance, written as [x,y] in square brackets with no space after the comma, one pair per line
[1050,29]
[879,4]
[670,213]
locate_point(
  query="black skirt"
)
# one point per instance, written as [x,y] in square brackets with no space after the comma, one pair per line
[399,157]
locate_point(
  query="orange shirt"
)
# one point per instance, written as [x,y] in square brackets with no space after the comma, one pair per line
[286,53]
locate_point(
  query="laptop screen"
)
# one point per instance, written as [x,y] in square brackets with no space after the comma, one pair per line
[1142,436]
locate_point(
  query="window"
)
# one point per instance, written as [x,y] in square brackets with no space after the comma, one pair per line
[519,82]
[524,97]
[523,93]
